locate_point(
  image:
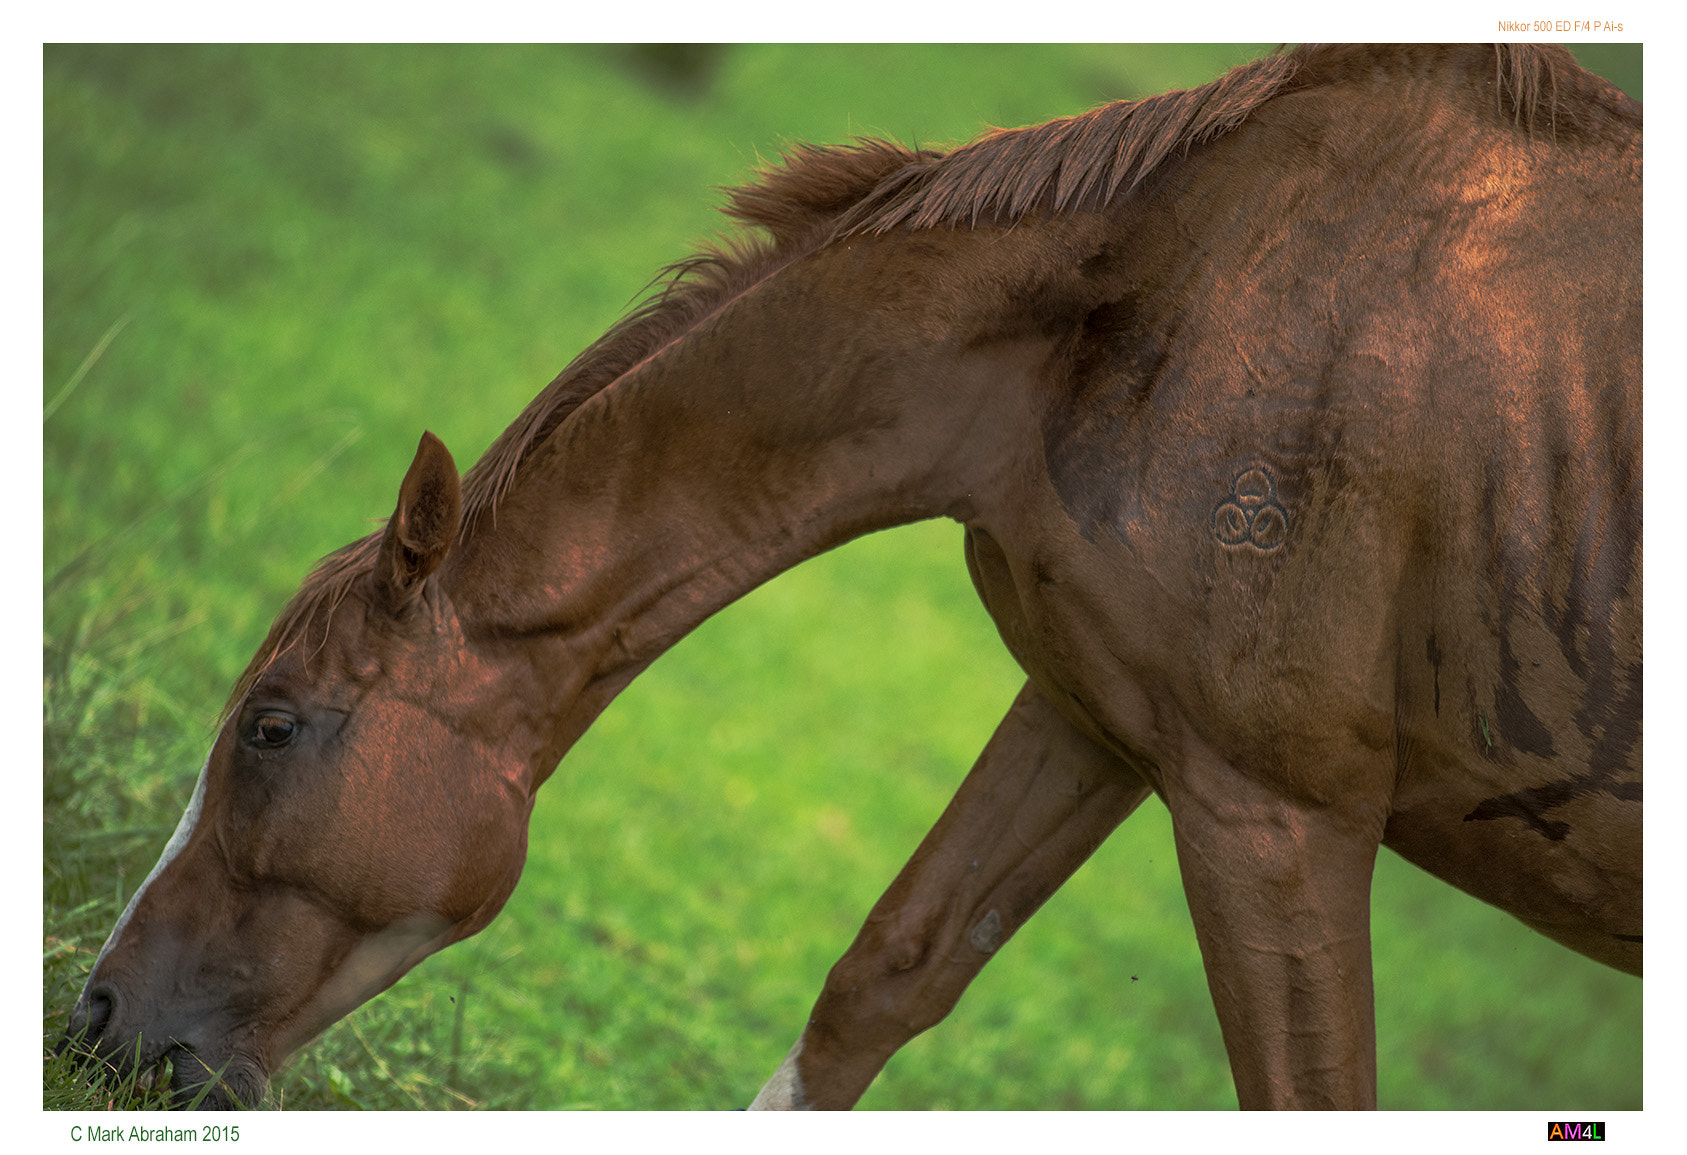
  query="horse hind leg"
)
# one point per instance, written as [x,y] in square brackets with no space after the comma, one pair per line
[1037,803]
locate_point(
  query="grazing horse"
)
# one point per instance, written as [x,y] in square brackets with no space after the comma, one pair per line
[1294,422]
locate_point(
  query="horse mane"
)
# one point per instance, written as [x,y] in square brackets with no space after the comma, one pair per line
[816,195]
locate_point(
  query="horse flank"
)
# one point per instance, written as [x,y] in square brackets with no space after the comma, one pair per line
[817,195]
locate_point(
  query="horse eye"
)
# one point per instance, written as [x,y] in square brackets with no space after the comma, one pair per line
[273,730]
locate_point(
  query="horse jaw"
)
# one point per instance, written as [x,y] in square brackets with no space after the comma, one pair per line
[374,964]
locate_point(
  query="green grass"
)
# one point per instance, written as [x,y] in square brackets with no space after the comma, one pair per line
[268,269]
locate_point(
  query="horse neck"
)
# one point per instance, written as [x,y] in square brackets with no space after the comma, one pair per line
[809,410]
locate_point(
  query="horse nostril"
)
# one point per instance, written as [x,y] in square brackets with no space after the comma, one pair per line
[91,1017]
[101,1002]
[88,1022]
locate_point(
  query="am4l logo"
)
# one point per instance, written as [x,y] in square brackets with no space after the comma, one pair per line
[1575,1132]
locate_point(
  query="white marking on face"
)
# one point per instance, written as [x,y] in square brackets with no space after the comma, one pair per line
[184,831]
[784,1092]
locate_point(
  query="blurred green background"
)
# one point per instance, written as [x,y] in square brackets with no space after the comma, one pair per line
[268,269]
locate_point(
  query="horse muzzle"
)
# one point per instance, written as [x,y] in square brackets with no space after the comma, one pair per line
[153,1057]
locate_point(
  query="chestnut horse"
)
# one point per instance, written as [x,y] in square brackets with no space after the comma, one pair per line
[1294,422]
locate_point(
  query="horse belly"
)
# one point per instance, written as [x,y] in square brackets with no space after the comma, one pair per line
[1549,840]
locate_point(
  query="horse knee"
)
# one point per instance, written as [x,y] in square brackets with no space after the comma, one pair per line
[886,950]
[894,982]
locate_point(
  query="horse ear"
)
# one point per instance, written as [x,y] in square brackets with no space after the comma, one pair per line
[423,526]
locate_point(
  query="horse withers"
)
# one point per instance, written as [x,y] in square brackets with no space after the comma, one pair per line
[1294,422]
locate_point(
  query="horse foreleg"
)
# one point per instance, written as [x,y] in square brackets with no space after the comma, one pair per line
[1279,889]
[1038,802]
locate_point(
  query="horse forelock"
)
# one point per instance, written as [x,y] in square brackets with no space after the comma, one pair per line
[320,594]
[815,195]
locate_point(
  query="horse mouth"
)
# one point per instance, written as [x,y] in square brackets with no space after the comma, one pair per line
[178,1079]
[195,1083]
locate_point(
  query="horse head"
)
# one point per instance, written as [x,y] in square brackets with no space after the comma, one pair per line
[356,813]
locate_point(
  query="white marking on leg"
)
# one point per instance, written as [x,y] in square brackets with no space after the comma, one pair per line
[184,831]
[784,1092]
